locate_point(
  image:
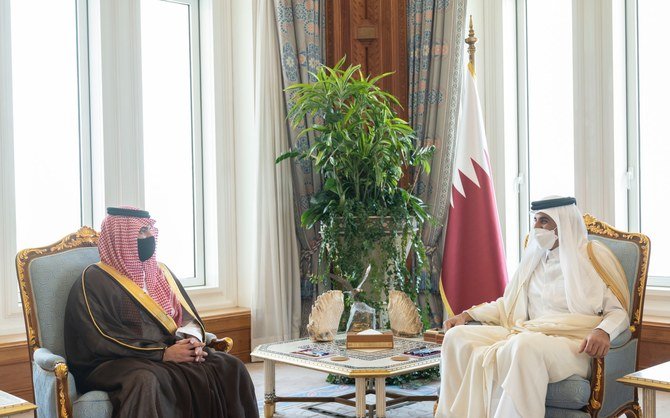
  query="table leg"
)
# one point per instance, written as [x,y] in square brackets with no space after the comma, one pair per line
[648,403]
[380,394]
[269,407]
[360,397]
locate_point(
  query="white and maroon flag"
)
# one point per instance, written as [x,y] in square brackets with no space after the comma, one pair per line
[473,266]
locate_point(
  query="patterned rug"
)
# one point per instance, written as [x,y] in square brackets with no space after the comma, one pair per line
[290,409]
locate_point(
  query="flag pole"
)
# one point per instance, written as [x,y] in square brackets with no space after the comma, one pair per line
[471,40]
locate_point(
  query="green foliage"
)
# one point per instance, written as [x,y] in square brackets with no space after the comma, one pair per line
[408,381]
[361,149]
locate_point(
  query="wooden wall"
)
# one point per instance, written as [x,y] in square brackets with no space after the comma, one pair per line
[236,324]
[15,370]
[654,345]
[372,33]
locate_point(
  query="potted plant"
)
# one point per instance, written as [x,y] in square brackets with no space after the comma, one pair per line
[361,149]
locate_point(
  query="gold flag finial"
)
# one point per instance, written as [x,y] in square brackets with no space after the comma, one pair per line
[471,40]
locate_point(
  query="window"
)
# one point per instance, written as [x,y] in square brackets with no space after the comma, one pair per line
[76,134]
[172,139]
[650,142]
[545,99]
[550,103]
[44,133]
[46,107]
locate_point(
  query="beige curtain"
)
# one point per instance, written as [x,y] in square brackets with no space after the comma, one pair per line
[300,27]
[276,292]
[435,32]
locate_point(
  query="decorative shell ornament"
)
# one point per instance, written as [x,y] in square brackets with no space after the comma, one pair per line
[403,314]
[325,317]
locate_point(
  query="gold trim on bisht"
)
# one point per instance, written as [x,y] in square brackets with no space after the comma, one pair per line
[109,337]
[142,298]
[173,285]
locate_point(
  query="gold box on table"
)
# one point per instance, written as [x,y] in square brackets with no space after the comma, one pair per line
[434,335]
[369,341]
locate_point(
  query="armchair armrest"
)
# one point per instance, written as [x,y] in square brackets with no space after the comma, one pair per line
[221,344]
[47,360]
[54,365]
[209,337]
[621,339]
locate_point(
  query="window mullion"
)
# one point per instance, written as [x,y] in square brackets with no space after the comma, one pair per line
[198,160]
[633,115]
[522,181]
[9,307]
[86,169]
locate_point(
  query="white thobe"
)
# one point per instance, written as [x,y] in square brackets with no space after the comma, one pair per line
[525,363]
[546,295]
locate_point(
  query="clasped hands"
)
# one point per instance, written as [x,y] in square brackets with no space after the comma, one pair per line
[596,344]
[187,350]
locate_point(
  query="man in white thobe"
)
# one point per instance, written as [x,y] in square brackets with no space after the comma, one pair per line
[562,307]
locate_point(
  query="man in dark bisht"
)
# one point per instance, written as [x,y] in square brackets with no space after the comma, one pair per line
[132,331]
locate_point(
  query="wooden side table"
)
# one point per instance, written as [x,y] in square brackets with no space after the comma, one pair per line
[13,406]
[650,380]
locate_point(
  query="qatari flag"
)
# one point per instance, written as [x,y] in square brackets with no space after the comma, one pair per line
[473,265]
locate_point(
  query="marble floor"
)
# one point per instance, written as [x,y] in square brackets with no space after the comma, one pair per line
[296,379]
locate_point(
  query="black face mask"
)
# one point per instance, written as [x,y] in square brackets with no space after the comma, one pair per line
[146,247]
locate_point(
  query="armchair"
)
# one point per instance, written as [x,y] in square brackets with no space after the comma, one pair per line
[45,276]
[602,395]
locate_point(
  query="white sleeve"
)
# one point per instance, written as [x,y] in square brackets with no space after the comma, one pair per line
[192,329]
[486,312]
[615,318]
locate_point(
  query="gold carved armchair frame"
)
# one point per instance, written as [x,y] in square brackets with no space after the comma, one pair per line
[599,228]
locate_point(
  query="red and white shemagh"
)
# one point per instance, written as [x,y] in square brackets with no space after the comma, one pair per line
[118,248]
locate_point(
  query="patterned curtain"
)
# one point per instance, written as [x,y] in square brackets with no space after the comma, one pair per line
[435,36]
[301,26]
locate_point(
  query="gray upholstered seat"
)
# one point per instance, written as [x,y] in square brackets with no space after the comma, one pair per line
[45,277]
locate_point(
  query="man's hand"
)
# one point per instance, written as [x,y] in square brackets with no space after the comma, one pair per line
[596,344]
[188,350]
[460,319]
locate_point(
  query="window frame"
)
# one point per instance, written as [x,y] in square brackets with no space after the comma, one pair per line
[522,181]
[200,278]
[112,130]
[634,178]
[11,312]
[499,28]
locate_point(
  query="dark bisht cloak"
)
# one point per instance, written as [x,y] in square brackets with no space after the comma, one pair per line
[115,343]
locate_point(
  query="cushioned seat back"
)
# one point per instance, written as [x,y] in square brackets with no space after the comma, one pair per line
[629,254]
[51,278]
[46,275]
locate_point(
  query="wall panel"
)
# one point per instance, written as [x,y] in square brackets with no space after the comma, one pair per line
[372,33]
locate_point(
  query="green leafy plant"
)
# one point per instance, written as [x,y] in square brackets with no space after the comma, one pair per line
[362,149]
[406,381]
